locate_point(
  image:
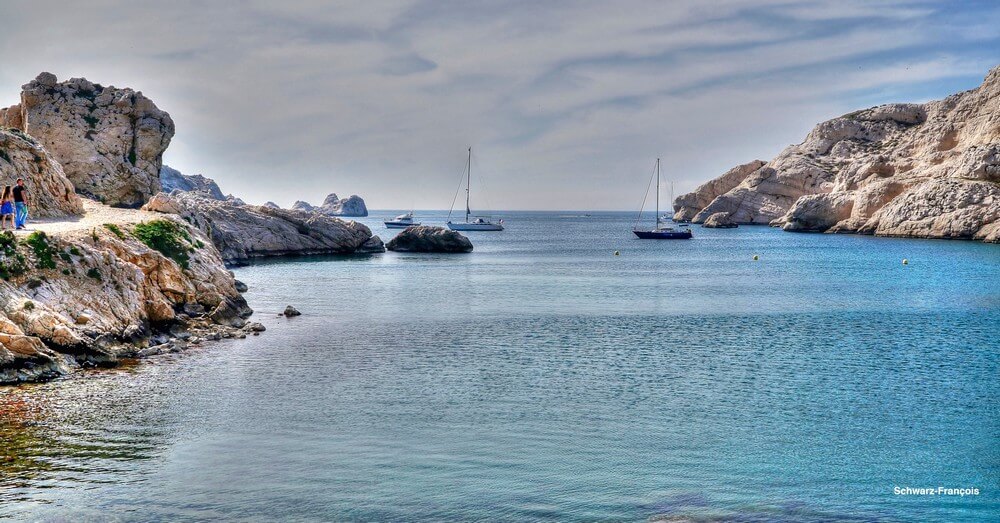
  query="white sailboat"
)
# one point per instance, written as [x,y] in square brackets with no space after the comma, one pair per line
[472,223]
[401,222]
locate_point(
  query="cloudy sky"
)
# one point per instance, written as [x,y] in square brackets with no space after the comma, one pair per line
[565,103]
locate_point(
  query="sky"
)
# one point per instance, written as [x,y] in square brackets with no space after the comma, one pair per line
[566,104]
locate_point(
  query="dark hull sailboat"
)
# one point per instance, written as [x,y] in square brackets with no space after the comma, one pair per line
[665,234]
[658,232]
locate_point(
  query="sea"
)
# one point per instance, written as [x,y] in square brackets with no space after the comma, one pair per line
[563,371]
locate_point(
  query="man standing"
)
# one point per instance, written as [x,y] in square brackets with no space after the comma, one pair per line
[20,204]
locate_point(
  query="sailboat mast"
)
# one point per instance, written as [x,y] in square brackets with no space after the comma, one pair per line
[468,188]
[657,193]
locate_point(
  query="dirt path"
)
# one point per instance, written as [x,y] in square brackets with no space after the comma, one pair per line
[94,215]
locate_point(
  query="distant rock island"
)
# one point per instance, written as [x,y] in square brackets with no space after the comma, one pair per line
[912,170]
[174,180]
[352,206]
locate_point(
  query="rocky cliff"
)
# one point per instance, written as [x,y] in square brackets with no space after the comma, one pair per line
[49,192]
[243,232]
[109,141]
[173,180]
[918,170]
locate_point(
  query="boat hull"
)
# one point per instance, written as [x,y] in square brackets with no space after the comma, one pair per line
[475,226]
[663,235]
[398,225]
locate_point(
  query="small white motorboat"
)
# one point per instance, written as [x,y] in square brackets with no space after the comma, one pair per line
[401,222]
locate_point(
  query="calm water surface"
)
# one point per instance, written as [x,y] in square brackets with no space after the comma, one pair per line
[543,378]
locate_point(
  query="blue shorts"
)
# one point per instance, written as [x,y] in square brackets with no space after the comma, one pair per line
[6,208]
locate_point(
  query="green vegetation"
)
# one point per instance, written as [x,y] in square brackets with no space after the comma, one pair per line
[166,237]
[74,251]
[65,257]
[28,306]
[115,230]
[94,273]
[66,272]
[12,263]
[44,253]
[93,235]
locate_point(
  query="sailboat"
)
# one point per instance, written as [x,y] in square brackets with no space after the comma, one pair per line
[472,223]
[659,232]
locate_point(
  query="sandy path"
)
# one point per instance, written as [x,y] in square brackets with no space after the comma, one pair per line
[94,215]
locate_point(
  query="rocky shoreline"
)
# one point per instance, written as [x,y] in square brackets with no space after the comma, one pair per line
[96,279]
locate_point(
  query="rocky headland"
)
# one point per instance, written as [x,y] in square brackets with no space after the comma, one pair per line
[243,232]
[96,279]
[912,170]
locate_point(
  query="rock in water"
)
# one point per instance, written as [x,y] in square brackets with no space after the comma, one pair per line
[242,232]
[427,238]
[109,141]
[291,311]
[173,180]
[720,220]
[241,287]
[50,193]
[917,170]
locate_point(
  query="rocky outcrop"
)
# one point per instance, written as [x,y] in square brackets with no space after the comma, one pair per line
[687,206]
[427,238]
[50,194]
[109,141]
[173,180]
[95,295]
[271,205]
[720,220]
[918,170]
[352,206]
[242,232]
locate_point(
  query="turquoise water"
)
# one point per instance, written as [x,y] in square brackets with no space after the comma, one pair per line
[543,378]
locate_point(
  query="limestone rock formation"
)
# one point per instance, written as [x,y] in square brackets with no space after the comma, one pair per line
[173,180]
[333,205]
[98,294]
[687,206]
[428,238]
[720,220]
[271,205]
[109,141]
[303,206]
[919,170]
[243,232]
[49,192]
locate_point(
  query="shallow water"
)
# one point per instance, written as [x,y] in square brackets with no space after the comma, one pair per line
[543,378]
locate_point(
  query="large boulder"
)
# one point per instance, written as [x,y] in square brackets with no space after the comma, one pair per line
[867,172]
[109,141]
[428,238]
[173,180]
[50,194]
[242,232]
